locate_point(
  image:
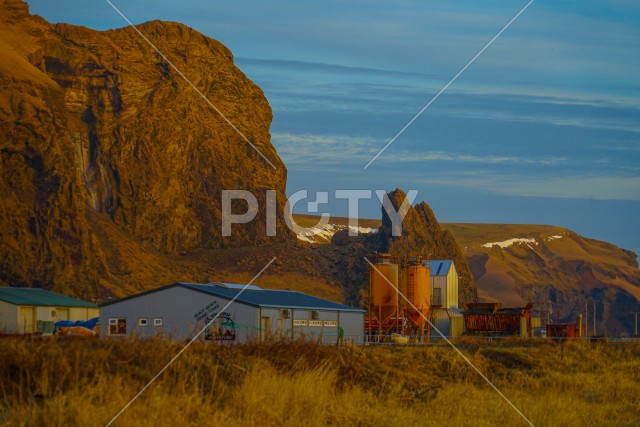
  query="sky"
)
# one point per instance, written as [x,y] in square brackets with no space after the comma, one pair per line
[543,128]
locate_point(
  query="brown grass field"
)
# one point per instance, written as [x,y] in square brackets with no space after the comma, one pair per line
[75,382]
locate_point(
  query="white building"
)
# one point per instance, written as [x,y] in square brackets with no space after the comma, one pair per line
[445,314]
[181,310]
[444,284]
[30,310]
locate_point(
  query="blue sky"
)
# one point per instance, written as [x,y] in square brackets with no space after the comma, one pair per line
[543,128]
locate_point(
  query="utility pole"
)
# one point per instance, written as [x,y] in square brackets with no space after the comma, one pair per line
[594,318]
[586,319]
[548,311]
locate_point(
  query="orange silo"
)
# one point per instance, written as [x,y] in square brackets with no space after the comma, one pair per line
[416,287]
[383,285]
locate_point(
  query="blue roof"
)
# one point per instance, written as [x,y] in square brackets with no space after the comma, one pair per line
[39,297]
[236,286]
[256,296]
[271,297]
[440,267]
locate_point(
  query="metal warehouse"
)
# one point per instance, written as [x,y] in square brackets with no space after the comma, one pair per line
[445,314]
[35,310]
[180,310]
[444,284]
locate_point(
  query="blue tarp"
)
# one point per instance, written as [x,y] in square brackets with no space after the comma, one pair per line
[89,324]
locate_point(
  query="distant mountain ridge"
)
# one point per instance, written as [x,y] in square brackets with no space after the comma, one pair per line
[554,267]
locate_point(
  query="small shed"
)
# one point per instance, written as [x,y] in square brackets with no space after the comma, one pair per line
[449,321]
[35,310]
[563,330]
[180,310]
[444,284]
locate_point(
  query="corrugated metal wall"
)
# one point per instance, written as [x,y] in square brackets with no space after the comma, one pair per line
[452,287]
[353,325]
[25,319]
[439,282]
[184,312]
[449,322]
[8,318]
[449,288]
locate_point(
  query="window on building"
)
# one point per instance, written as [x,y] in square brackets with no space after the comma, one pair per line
[436,298]
[143,321]
[157,321]
[117,326]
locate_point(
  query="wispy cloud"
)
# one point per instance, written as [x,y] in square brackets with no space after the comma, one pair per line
[316,88]
[321,149]
[571,187]
[315,150]
[441,156]
[605,123]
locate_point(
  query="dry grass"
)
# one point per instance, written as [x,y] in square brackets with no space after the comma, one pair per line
[86,382]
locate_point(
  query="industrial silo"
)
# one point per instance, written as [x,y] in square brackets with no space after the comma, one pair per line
[383,295]
[415,286]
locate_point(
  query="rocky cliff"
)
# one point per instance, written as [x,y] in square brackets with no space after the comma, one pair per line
[98,132]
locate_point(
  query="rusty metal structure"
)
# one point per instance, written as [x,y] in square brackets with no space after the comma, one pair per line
[563,330]
[415,285]
[389,313]
[490,318]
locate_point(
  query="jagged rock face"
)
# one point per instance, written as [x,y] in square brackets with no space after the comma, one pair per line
[423,236]
[97,122]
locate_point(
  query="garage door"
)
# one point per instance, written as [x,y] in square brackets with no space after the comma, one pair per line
[27,320]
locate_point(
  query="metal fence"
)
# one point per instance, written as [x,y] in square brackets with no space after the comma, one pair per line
[499,340]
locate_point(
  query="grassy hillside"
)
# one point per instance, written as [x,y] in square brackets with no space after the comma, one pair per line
[85,383]
[555,268]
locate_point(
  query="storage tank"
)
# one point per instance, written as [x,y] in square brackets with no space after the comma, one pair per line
[416,287]
[384,297]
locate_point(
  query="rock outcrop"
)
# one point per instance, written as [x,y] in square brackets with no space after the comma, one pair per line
[96,126]
[421,236]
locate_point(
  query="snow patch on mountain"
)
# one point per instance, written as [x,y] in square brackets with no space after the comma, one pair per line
[506,243]
[324,234]
[521,241]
